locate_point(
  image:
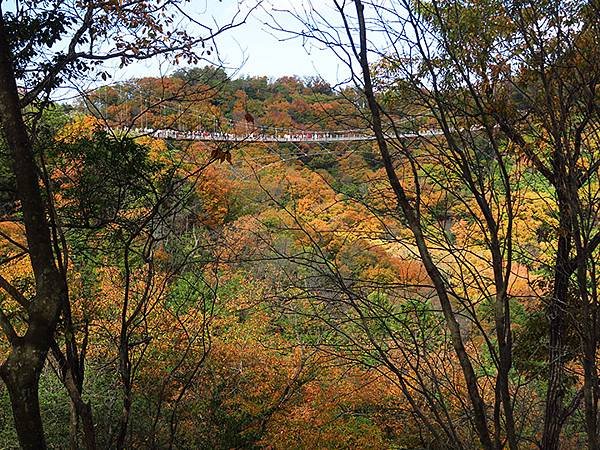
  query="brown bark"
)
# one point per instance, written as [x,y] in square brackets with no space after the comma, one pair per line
[79,409]
[22,368]
[72,373]
[20,373]
[554,415]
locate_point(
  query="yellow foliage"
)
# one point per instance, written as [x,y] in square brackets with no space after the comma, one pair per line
[80,126]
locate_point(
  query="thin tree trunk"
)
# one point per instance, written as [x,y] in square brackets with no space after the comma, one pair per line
[125,413]
[83,411]
[555,392]
[591,404]
[413,222]
[589,347]
[73,427]
[557,310]
[503,334]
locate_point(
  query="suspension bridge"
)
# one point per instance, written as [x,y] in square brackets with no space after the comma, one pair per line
[263,134]
[241,132]
[248,132]
[293,136]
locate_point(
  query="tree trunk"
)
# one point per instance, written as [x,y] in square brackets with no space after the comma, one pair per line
[73,427]
[124,420]
[22,368]
[125,372]
[589,343]
[557,312]
[21,373]
[81,410]
[591,403]
[72,373]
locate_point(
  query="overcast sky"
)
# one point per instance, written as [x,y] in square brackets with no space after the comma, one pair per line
[253,47]
[265,50]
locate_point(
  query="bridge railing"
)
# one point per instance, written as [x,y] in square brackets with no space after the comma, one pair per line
[304,136]
[218,136]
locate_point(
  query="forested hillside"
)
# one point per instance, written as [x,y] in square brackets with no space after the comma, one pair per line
[196,261]
[198,287]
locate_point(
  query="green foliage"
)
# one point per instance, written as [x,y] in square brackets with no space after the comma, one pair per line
[110,177]
[215,77]
[55,407]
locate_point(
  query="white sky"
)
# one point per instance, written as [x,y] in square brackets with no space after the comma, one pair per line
[266,54]
[253,48]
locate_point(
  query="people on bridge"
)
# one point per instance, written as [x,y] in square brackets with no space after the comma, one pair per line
[265,135]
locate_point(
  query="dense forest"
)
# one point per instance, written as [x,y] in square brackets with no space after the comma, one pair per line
[430,284]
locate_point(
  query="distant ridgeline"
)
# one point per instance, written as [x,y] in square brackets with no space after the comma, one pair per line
[203,104]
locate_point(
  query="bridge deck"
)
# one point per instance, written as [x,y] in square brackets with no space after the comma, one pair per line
[306,137]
